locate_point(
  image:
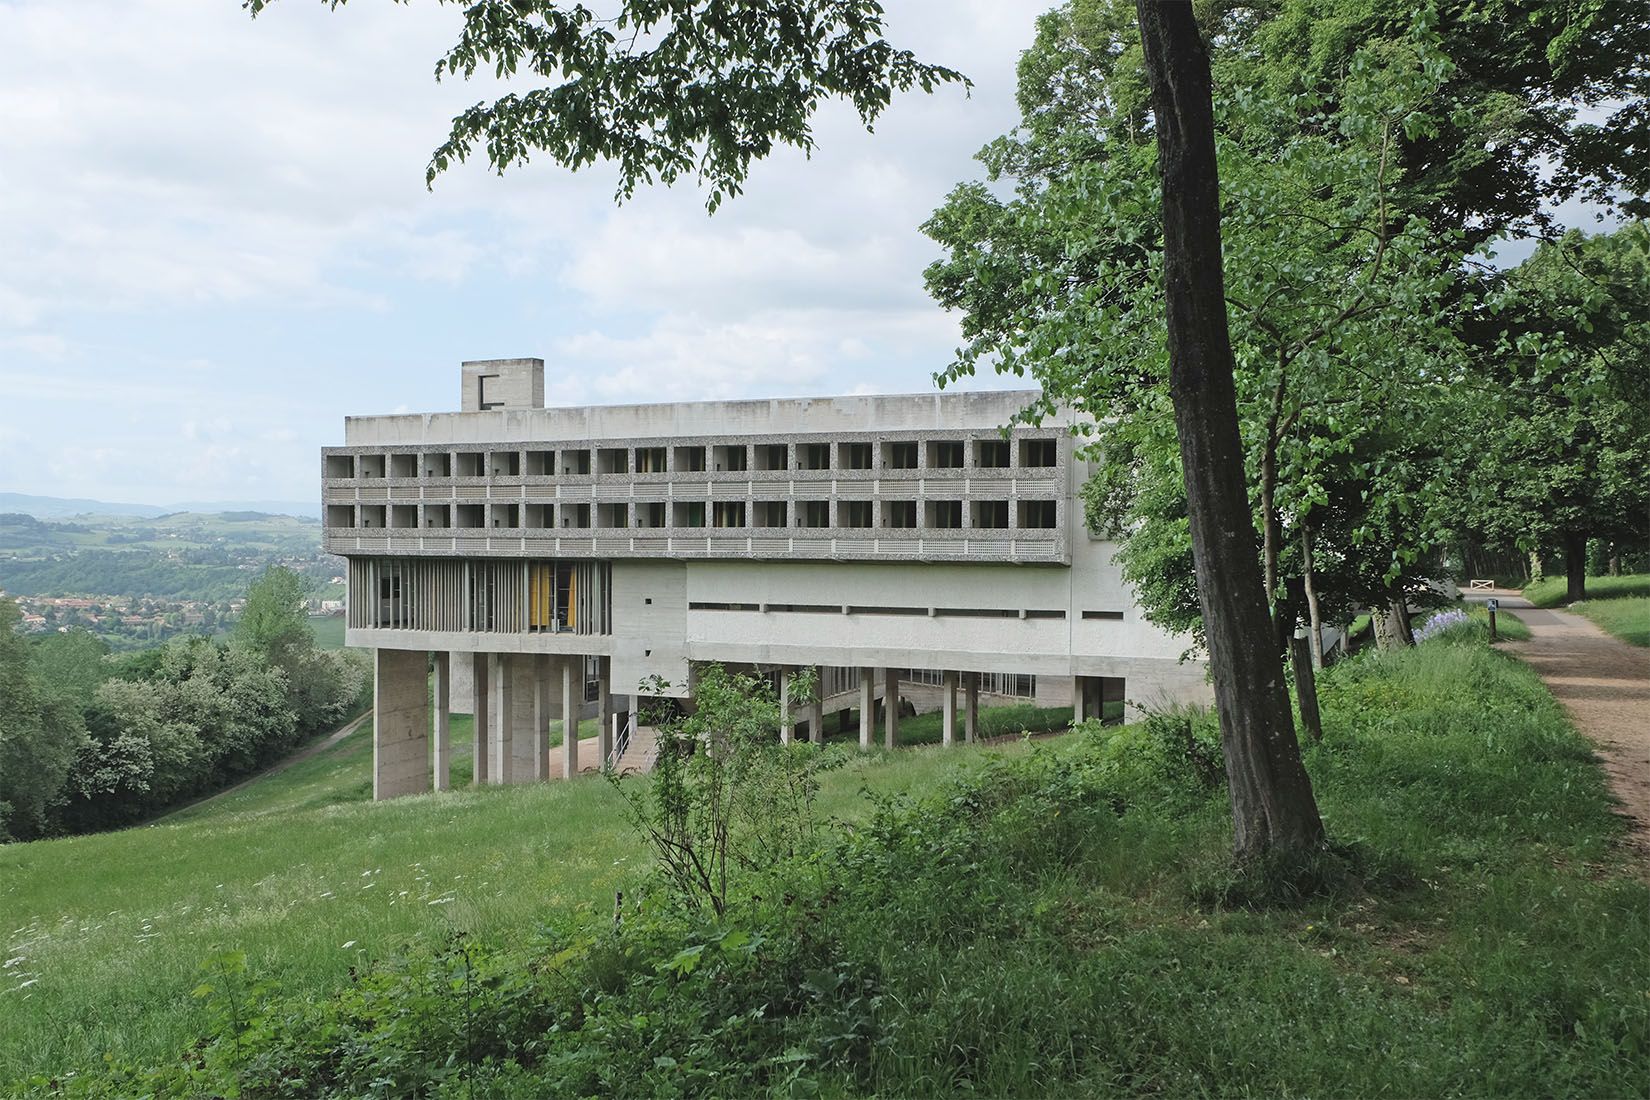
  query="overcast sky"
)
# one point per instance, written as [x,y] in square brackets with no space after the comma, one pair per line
[217,243]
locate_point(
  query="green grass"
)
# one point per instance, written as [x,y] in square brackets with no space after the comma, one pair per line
[1551,591]
[329,630]
[307,876]
[926,729]
[1626,617]
[1508,626]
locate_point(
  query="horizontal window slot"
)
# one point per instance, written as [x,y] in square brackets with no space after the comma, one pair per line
[1110,616]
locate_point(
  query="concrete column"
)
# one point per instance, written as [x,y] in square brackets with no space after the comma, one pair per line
[816,710]
[948,708]
[543,687]
[571,697]
[400,723]
[787,728]
[500,705]
[443,720]
[523,717]
[971,707]
[867,707]
[604,710]
[479,692]
[890,707]
[1079,710]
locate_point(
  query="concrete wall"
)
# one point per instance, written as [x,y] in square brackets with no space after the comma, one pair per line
[649,624]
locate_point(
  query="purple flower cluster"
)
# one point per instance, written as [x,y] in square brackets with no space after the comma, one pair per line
[1439,623]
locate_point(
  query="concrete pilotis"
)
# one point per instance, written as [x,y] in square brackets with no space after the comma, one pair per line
[523,717]
[479,693]
[971,707]
[401,723]
[604,709]
[570,697]
[1079,707]
[816,709]
[948,708]
[500,707]
[542,708]
[787,728]
[867,707]
[443,720]
[890,707]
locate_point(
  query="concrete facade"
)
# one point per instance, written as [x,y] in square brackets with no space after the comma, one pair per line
[560,555]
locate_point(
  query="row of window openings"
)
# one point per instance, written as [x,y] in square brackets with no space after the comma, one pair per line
[942,454]
[938,514]
[857,609]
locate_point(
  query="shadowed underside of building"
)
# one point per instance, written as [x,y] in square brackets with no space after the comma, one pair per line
[547,563]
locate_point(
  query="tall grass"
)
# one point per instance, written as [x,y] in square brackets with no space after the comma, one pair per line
[1551,591]
[1626,617]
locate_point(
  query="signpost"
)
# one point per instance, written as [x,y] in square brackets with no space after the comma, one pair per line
[1491,604]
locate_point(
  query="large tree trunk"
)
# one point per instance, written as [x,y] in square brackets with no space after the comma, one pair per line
[1271,796]
[1575,566]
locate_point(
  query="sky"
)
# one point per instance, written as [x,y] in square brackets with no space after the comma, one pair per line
[217,243]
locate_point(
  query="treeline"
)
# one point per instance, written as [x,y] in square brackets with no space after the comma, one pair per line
[123,573]
[89,741]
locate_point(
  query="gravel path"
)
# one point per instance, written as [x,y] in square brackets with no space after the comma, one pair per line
[1605,685]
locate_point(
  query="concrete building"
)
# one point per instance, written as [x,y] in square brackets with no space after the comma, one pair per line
[559,558]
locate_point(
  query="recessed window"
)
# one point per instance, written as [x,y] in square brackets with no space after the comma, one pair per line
[404,465]
[1037,452]
[506,463]
[650,460]
[944,513]
[899,513]
[650,514]
[728,513]
[438,464]
[506,515]
[472,464]
[438,515]
[945,454]
[403,515]
[576,461]
[813,456]
[899,456]
[773,456]
[854,513]
[855,456]
[373,515]
[689,513]
[541,463]
[1109,616]
[732,458]
[689,460]
[991,454]
[575,515]
[770,513]
[1036,513]
[990,513]
[471,515]
[340,515]
[540,516]
[813,513]
[612,515]
[370,465]
[613,460]
[338,466]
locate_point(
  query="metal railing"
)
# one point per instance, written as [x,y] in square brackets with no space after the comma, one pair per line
[621,743]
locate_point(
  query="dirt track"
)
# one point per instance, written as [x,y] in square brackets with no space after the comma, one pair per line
[1605,685]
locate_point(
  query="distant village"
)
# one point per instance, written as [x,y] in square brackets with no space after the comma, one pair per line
[140,620]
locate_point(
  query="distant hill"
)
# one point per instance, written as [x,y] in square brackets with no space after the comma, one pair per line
[65,508]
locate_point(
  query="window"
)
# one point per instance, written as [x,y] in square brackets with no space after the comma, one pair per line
[732,458]
[471,515]
[404,465]
[575,462]
[728,513]
[541,516]
[506,515]
[991,453]
[899,456]
[340,515]
[612,515]
[506,463]
[899,513]
[855,456]
[1036,513]
[437,515]
[471,464]
[612,460]
[650,460]
[650,514]
[770,513]
[945,454]
[403,515]
[813,456]
[813,513]
[575,515]
[370,465]
[1037,452]
[339,466]
[773,456]
[541,463]
[690,460]
[990,513]
[438,464]
[853,513]
[944,513]
[689,513]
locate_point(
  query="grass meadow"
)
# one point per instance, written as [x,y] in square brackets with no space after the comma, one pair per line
[1550,591]
[1627,617]
[107,933]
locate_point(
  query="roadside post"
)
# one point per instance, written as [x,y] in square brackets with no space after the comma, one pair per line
[1491,605]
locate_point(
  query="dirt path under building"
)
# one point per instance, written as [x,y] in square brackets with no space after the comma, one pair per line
[1605,685]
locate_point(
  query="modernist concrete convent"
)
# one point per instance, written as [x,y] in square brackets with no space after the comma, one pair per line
[553,560]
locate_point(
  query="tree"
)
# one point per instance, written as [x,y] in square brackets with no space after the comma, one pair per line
[41,735]
[1271,796]
[274,624]
[668,88]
